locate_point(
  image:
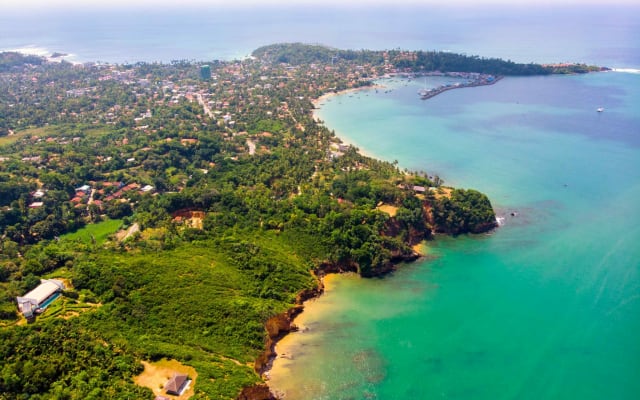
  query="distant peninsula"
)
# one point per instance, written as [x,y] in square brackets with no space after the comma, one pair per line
[379,64]
[186,210]
[412,61]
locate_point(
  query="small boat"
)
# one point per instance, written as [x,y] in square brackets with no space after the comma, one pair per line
[600,109]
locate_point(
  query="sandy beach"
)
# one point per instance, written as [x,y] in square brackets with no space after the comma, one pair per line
[327,96]
[280,375]
[421,248]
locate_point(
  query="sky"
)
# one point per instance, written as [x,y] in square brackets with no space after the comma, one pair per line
[22,4]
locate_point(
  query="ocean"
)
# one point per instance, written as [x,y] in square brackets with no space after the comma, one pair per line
[548,305]
[591,34]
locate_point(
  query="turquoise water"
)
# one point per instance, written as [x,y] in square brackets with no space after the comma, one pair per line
[546,307]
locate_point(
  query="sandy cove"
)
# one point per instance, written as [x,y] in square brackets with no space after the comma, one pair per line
[280,377]
[278,371]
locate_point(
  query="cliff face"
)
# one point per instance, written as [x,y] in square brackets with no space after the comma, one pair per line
[277,327]
[280,325]
[414,234]
[256,392]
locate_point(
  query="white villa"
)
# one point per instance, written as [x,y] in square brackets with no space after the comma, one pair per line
[34,301]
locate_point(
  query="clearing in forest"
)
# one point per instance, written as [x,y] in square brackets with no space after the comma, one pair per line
[156,374]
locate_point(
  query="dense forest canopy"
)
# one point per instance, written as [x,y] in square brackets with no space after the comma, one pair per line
[185,206]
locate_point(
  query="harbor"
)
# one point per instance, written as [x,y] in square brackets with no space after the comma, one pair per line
[475,80]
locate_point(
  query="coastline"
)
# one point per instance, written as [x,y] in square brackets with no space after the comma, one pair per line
[272,365]
[318,102]
[330,95]
[283,379]
[339,135]
[283,349]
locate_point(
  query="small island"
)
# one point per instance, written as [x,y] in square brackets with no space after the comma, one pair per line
[190,208]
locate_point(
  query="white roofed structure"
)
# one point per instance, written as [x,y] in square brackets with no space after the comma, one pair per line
[33,300]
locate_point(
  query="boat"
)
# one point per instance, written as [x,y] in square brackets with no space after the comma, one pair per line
[600,109]
[424,93]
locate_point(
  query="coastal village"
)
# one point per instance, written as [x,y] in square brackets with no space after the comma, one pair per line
[225,97]
[130,193]
[220,96]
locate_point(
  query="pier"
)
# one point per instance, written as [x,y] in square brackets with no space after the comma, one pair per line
[479,80]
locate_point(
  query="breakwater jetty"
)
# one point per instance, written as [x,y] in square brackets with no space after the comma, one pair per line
[475,79]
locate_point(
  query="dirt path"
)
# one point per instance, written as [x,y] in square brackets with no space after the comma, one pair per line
[122,235]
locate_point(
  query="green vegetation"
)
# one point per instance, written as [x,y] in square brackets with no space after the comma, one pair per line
[301,54]
[12,60]
[94,233]
[464,211]
[27,133]
[230,195]
[61,359]
[414,61]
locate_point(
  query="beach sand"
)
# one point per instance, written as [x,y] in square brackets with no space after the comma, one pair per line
[281,376]
[421,248]
[327,96]
[317,103]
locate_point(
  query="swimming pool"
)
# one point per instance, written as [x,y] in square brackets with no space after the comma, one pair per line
[48,301]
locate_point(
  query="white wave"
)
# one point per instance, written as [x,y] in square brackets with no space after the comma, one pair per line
[500,221]
[32,50]
[627,70]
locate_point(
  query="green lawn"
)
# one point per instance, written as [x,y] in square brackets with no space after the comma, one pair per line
[44,131]
[58,130]
[99,231]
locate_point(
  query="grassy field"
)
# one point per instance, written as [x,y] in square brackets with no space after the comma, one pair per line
[39,132]
[99,231]
[52,131]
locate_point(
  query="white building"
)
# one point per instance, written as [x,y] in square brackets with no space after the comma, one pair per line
[34,300]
